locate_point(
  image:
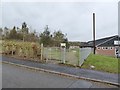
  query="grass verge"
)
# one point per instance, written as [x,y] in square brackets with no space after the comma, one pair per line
[102,63]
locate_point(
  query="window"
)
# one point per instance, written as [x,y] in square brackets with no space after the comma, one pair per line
[111,48]
[98,48]
[105,48]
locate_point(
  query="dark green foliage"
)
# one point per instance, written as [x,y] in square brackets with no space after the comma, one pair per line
[45,37]
[24,34]
[1,31]
[58,37]
[13,33]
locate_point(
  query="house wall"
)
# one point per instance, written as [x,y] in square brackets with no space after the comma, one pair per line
[108,51]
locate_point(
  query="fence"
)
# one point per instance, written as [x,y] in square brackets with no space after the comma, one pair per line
[84,53]
[62,55]
[52,53]
[73,56]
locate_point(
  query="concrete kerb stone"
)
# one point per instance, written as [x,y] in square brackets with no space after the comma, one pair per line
[63,74]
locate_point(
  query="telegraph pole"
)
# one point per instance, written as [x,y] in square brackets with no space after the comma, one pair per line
[94,33]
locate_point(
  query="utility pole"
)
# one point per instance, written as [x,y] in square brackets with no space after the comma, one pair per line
[94,33]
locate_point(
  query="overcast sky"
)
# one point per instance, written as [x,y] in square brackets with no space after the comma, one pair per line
[73,18]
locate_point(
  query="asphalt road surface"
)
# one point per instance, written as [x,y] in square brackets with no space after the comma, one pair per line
[18,77]
[93,74]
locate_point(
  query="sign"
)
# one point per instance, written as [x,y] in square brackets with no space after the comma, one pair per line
[116,42]
[63,44]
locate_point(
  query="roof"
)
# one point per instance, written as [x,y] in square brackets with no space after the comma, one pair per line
[107,41]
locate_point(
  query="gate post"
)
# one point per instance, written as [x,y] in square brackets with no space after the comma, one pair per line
[63,47]
[79,57]
[41,51]
[64,50]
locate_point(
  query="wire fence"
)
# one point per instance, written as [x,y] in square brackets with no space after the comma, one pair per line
[84,53]
[72,56]
[36,52]
[52,53]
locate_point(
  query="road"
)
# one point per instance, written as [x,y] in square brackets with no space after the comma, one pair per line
[18,77]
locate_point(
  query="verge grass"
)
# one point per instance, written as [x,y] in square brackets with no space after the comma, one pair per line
[102,63]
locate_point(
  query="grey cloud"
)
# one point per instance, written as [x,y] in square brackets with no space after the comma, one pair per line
[75,19]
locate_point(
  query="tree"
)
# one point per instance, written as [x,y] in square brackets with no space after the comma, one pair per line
[58,37]
[13,33]
[25,30]
[24,25]
[32,36]
[45,37]
[6,32]
[1,31]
